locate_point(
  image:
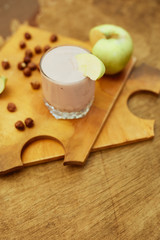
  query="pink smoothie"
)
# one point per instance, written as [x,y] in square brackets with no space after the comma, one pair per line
[64,86]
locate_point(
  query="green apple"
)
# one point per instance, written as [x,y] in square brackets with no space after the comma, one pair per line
[3,80]
[112,45]
[90,65]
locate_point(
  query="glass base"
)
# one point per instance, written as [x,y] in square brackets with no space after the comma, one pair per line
[67,115]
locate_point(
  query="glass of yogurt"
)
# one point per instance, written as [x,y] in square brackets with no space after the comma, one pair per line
[67,93]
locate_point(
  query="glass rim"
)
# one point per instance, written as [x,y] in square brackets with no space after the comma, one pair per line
[58,81]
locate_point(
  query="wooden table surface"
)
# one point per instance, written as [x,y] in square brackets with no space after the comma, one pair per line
[116,195]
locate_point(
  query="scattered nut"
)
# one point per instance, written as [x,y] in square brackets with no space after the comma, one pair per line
[5,64]
[46,48]
[19,125]
[21,65]
[11,107]
[35,85]
[53,38]
[29,122]
[22,44]
[32,66]
[27,72]
[27,36]
[27,59]
[38,49]
[29,53]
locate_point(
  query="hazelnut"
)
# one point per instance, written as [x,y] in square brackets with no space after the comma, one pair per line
[29,53]
[19,125]
[22,44]
[27,72]
[21,65]
[27,59]
[27,35]
[53,38]
[5,64]
[38,49]
[32,66]
[35,85]
[11,107]
[29,122]
[46,48]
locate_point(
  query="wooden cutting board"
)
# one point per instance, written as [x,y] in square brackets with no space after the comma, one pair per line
[78,135]
[29,104]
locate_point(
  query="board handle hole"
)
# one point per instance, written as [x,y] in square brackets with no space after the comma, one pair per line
[144,104]
[42,149]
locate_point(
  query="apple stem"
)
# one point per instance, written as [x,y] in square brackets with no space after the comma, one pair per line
[112,35]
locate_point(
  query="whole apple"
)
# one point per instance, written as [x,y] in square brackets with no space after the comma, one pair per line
[112,45]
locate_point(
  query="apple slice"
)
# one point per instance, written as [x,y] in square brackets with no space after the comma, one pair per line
[90,65]
[3,80]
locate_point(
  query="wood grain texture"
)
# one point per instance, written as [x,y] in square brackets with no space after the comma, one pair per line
[115,196]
